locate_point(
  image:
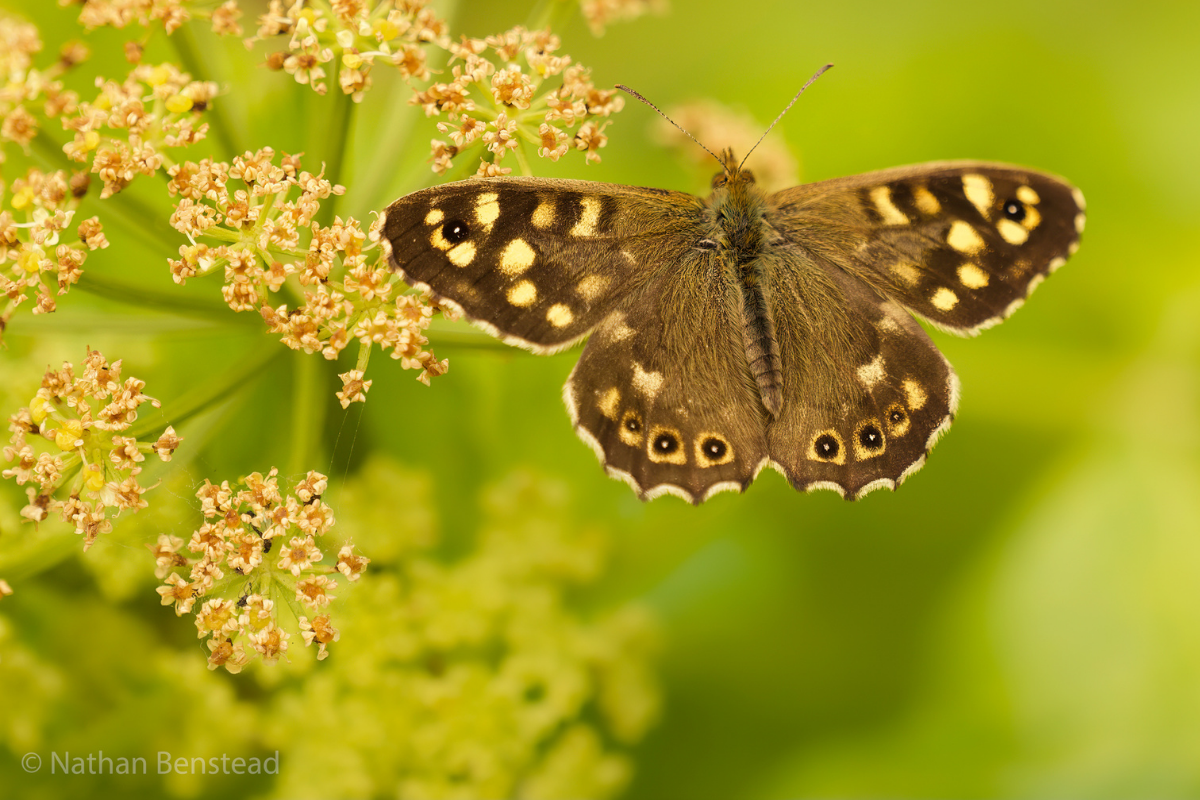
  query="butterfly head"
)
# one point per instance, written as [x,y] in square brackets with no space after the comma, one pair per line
[732,172]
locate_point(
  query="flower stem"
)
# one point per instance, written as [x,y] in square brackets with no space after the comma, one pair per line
[174,302]
[308,413]
[184,40]
[334,149]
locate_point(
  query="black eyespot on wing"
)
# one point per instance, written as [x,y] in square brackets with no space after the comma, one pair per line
[897,415]
[714,448]
[827,447]
[666,444]
[1014,210]
[870,437]
[633,424]
[455,231]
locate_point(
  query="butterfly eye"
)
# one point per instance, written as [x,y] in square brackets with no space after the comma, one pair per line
[455,231]
[1014,210]
[707,244]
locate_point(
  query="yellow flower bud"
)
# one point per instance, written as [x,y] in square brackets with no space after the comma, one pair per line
[39,409]
[70,432]
[386,30]
[352,60]
[178,103]
[30,258]
[159,75]
[94,477]
[23,198]
[91,140]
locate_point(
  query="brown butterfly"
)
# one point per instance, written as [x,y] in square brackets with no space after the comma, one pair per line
[745,330]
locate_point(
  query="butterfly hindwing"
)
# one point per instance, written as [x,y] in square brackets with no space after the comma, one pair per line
[537,262]
[961,244]
[866,392]
[662,391]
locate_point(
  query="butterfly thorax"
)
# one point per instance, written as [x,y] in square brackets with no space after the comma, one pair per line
[738,208]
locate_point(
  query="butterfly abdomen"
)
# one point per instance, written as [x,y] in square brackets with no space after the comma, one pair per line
[762,348]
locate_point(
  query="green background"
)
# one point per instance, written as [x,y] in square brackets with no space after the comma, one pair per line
[1020,619]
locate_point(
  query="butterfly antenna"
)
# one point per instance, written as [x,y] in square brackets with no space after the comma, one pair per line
[627,90]
[820,72]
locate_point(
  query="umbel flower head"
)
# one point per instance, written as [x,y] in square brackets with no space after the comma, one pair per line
[68,440]
[256,565]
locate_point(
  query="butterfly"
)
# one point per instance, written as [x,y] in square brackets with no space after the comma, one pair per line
[745,330]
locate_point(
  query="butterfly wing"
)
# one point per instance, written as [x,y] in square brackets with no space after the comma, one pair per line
[536,262]
[866,392]
[663,392]
[961,244]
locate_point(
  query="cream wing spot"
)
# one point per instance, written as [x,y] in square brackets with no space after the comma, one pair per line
[619,331]
[434,217]
[1080,220]
[462,255]
[972,277]
[1028,195]
[523,295]
[1078,197]
[516,257]
[588,219]
[944,299]
[978,190]
[926,202]
[872,373]
[648,383]
[881,196]
[906,272]
[559,315]
[610,403]
[1012,232]
[591,287]
[964,238]
[914,393]
[487,209]
[543,215]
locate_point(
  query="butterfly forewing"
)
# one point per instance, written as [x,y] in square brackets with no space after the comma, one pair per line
[538,262]
[961,244]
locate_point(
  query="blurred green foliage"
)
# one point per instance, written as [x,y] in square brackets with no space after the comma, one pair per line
[1021,619]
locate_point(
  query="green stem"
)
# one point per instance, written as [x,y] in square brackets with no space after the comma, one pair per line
[522,161]
[308,413]
[175,302]
[184,40]
[206,393]
[335,147]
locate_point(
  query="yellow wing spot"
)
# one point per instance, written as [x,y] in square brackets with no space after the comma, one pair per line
[881,196]
[437,240]
[487,209]
[926,202]
[630,429]
[1080,219]
[1032,218]
[978,190]
[871,374]
[648,383]
[897,420]
[610,402]
[592,287]
[462,254]
[517,257]
[972,277]
[964,238]
[587,221]
[664,446]
[1079,201]
[523,295]
[619,331]
[914,393]
[559,315]
[944,299]
[906,272]
[712,449]
[1028,196]
[543,215]
[1013,232]
[434,216]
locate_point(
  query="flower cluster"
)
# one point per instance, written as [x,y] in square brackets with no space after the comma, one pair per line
[223,14]
[26,93]
[76,421]
[601,13]
[495,683]
[255,554]
[261,209]
[38,240]
[350,37]
[510,91]
[130,127]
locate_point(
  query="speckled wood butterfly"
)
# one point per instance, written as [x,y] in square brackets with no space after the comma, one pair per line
[745,330]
